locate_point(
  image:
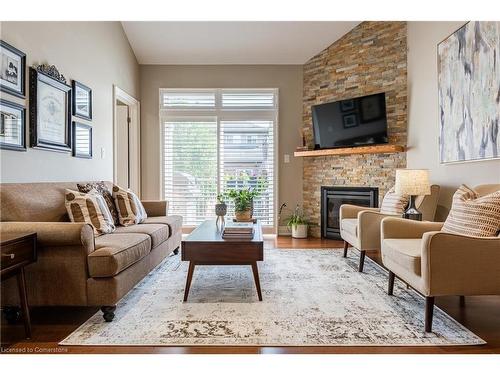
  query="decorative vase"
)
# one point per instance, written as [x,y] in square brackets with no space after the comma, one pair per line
[299,231]
[220,211]
[243,215]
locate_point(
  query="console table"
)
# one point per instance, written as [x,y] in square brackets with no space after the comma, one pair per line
[18,250]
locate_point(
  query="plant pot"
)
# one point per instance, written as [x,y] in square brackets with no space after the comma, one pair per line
[299,231]
[243,215]
[220,209]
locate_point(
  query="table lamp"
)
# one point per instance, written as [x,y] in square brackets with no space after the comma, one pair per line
[412,182]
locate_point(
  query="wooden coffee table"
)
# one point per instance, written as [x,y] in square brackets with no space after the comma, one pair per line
[205,246]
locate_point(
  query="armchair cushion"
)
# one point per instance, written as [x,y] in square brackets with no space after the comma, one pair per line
[471,215]
[350,226]
[117,251]
[407,253]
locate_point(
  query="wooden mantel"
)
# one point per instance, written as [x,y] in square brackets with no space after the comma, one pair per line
[378,149]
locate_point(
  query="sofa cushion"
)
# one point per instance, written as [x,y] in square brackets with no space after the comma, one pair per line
[117,251]
[173,221]
[159,233]
[405,252]
[350,226]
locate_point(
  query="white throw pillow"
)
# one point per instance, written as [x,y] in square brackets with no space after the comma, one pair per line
[394,204]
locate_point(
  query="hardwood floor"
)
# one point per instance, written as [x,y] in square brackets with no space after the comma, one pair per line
[50,325]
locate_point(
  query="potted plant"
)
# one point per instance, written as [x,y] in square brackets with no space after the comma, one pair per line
[244,191]
[298,223]
[220,207]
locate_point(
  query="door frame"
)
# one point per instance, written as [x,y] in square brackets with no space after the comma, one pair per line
[134,109]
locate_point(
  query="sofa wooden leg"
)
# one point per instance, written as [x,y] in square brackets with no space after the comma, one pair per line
[361,261]
[390,289]
[462,301]
[108,313]
[346,245]
[429,310]
[176,250]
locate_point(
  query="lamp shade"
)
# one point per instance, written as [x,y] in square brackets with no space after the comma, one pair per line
[412,182]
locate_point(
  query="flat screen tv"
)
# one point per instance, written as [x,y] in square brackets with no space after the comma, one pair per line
[349,123]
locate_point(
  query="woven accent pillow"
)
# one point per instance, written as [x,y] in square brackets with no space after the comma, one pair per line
[89,208]
[102,189]
[472,215]
[394,204]
[130,209]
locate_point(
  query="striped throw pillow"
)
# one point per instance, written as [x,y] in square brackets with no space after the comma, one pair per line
[394,204]
[89,208]
[472,215]
[102,189]
[130,209]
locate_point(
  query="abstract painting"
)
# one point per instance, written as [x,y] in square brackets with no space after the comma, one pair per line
[469,93]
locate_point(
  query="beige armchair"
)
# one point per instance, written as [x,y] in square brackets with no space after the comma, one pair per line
[436,263]
[360,226]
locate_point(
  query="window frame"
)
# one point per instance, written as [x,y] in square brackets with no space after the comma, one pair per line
[224,114]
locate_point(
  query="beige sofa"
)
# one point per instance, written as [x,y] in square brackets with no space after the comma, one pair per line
[436,263]
[74,267]
[360,226]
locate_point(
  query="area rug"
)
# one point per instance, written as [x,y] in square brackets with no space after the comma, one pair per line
[310,298]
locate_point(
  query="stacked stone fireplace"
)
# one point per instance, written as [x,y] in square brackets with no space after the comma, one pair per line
[369,59]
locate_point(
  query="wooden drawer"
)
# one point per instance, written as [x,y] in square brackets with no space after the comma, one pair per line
[18,253]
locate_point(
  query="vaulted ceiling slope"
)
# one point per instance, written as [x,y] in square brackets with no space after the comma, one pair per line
[207,43]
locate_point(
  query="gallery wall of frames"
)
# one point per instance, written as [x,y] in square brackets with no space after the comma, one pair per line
[60,113]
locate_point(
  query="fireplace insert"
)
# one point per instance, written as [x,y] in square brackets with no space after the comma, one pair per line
[332,197]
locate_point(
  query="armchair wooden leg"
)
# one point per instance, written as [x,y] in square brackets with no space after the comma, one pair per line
[390,290]
[429,310]
[361,260]
[346,245]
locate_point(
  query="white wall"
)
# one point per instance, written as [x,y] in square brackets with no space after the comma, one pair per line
[423,125]
[98,55]
[287,78]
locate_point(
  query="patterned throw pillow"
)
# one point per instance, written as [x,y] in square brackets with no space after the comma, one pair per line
[89,208]
[472,215]
[130,209]
[394,204]
[106,194]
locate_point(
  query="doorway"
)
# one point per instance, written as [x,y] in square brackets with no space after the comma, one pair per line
[126,141]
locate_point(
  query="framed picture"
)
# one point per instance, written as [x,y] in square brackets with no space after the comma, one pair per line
[469,101]
[82,140]
[347,105]
[372,108]
[50,109]
[350,121]
[12,126]
[12,70]
[82,100]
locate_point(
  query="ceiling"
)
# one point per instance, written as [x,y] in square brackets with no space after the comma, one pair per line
[207,43]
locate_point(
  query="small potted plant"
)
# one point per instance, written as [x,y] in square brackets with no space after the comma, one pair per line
[245,190]
[298,223]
